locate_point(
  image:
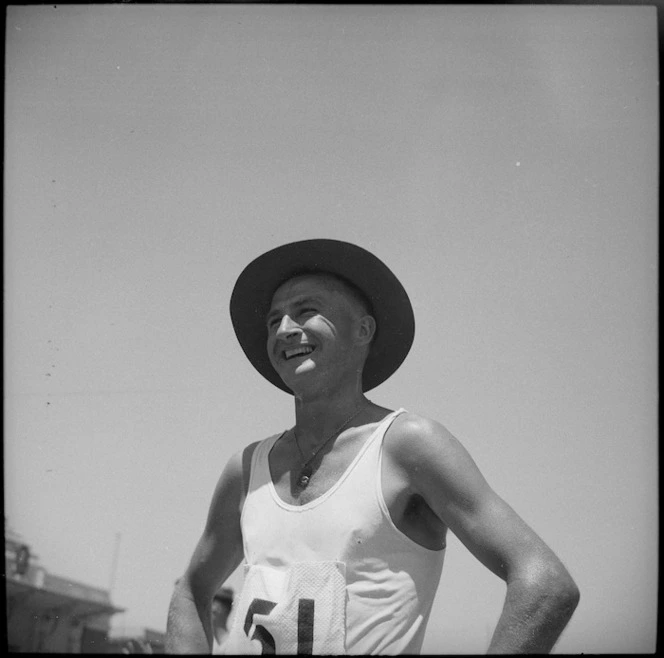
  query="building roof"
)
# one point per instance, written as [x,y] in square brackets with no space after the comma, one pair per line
[46,592]
[48,600]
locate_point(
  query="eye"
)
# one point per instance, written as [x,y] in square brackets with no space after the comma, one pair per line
[308,312]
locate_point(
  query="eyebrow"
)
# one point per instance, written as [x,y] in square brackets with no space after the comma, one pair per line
[298,303]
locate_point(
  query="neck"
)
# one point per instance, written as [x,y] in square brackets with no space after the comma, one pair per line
[318,417]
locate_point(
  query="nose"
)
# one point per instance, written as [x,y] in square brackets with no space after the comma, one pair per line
[287,327]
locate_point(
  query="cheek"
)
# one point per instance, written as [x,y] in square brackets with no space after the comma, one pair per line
[269,347]
[321,327]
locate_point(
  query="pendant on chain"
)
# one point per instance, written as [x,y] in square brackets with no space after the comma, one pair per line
[305,476]
[307,469]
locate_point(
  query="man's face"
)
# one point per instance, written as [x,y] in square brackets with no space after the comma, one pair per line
[316,329]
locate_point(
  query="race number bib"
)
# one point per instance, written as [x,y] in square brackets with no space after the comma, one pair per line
[299,610]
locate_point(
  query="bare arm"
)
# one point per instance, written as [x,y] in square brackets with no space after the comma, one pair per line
[541,595]
[218,552]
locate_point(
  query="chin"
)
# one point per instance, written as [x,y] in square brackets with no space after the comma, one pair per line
[295,383]
[303,383]
[305,367]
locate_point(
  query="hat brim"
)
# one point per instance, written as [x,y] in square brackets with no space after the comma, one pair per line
[252,297]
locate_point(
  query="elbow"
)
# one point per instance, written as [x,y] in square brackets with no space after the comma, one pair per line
[570,594]
[554,587]
[565,587]
[563,594]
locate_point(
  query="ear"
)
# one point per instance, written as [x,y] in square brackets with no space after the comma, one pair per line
[366,329]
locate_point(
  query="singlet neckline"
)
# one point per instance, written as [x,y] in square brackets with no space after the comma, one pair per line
[326,494]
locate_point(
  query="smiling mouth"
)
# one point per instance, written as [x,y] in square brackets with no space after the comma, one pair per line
[298,351]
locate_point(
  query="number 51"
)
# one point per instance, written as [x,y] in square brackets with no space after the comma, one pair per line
[305,625]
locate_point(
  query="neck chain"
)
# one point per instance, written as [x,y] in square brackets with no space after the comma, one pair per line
[306,469]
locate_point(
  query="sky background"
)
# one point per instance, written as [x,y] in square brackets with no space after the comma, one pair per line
[502,160]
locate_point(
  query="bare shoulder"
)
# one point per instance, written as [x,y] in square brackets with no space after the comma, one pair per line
[413,437]
[236,473]
[430,458]
[229,495]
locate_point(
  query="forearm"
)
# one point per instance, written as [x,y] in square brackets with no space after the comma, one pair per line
[187,631]
[533,617]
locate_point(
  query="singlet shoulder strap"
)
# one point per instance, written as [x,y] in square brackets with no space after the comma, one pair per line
[259,473]
[374,442]
[385,425]
[387,421]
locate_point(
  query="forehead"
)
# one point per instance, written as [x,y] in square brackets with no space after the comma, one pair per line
[309,285]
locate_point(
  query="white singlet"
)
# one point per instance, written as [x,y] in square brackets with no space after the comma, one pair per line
[334,576]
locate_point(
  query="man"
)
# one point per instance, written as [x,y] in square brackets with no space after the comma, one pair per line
[222,604]
[342,520]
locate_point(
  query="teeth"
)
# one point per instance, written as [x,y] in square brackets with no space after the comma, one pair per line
[297,351]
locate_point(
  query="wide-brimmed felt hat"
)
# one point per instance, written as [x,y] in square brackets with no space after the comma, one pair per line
[252,297]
